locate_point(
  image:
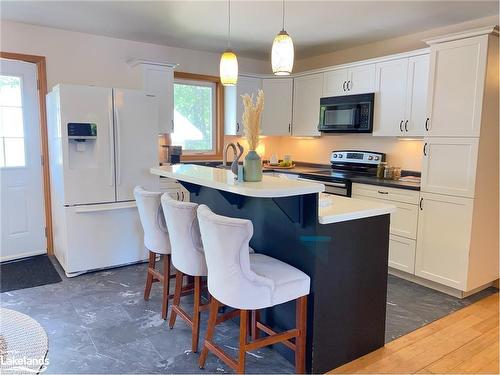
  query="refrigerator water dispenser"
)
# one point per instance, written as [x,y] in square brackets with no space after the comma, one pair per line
[82,138]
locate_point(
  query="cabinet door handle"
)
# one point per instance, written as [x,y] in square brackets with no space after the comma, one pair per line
[289,128]
[182,193]
[383,192]
[343,85]
[425,149]
[348,85]
[177,193]
[406,125]
[237,127]
[420,204]
[401,126]
[427,124]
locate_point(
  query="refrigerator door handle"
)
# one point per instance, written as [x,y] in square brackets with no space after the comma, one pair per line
[117,147]
[104,207]
[111,147]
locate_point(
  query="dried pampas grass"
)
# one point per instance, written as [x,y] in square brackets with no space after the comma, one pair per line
[251,118]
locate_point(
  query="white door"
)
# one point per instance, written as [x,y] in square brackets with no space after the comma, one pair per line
[449,166]
[444,227]
[136,142]
[306,96]
[335,82]
[21,187]
[88,166]
[277,114]
[416,99]
[390,98]
[361,79]
[245,85]
[456,85]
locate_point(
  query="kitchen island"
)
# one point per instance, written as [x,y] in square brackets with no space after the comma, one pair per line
[341,243]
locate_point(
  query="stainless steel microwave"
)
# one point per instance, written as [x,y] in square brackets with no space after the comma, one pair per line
[346,114]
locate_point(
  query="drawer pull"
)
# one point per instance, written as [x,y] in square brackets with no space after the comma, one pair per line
[383,192]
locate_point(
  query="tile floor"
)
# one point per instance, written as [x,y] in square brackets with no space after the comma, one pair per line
[100,323]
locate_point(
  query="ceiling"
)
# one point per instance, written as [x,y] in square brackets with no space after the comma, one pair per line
[316,26]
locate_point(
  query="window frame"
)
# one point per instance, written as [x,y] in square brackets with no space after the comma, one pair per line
[218,140]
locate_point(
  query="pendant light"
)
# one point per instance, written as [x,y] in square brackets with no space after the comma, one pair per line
[282,51]
[228,68]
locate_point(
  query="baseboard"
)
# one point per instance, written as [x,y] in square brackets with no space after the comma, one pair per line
[436,286]
[21,256]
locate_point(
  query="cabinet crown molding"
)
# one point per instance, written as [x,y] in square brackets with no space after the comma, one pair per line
[137,62]
[492,29]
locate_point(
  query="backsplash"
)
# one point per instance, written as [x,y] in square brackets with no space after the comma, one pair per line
[404,153]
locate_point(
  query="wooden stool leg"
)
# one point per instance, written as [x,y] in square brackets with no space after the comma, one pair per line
[177,297]
[300,341]
[166,285]
[212,319]
[243,341]
[149,279]
[196,314]
[255,318]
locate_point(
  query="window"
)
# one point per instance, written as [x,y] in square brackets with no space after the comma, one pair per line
[11,123]
[195,115]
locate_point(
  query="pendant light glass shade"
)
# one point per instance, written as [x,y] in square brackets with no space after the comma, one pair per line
[228,68]
[282,54]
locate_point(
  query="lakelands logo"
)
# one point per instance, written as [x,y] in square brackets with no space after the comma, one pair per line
[10,362]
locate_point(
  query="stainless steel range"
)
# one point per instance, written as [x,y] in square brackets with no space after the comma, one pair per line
[346,164]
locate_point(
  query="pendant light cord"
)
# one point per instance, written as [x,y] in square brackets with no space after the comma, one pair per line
[229,24]
[283,14]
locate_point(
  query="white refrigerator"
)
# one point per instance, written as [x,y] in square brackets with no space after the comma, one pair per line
[102,143]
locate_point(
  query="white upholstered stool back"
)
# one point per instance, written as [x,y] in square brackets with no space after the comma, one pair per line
[156,237]
[230,278]
[182,223]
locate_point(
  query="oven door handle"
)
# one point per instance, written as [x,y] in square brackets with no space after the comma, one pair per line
[333,184]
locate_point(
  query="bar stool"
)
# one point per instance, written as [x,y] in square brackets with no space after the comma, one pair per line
[187,257]
[249,282]
[156,241]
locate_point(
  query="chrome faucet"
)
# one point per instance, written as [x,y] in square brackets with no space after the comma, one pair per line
[224,155]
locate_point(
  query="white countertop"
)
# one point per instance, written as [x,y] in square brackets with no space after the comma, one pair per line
[334,209]
[223,179]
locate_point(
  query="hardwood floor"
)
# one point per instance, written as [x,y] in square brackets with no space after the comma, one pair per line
[463,342]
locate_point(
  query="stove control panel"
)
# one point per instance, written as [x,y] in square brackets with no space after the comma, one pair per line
[357,157]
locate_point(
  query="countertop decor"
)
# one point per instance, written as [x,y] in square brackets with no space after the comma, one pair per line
[252,165]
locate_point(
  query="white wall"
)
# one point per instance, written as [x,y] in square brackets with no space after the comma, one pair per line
[80,58]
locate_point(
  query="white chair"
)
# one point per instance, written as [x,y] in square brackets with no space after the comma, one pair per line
[246,281]
[187,257]
[156,241]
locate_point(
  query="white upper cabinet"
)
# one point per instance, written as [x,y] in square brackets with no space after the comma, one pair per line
[449,166]
[456,85]
[159,81]
[277,114]
[335,82]
[416,99]
[307,92]
[349,81]
[361,79]
[233,104]
[401,97]
[444,227]
[390,98]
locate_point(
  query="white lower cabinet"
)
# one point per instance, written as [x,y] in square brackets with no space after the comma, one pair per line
[402,253]
[443,239]
[174,189]
[403,229]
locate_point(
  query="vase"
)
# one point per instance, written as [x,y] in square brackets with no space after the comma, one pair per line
[252,167]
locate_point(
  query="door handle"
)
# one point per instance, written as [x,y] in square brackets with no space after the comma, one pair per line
[406,125]
[425,149]
[427,124]
[111,146]
[118,148]
[420,204]
[401,126]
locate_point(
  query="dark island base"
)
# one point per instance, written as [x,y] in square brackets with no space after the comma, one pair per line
[347,263]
